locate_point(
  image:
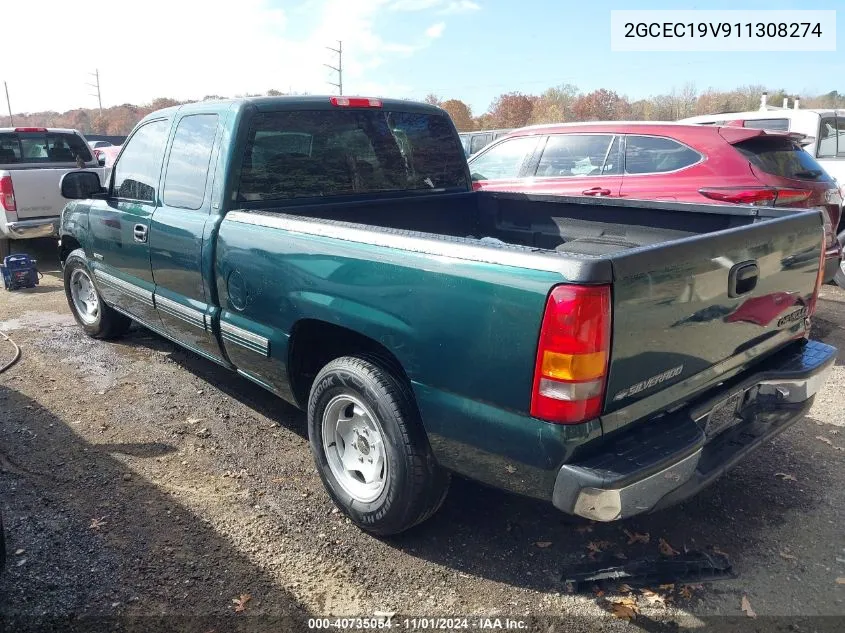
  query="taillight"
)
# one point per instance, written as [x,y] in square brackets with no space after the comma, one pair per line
[572,355]
[7,194]
[355,102]
[758,196]
[30,129]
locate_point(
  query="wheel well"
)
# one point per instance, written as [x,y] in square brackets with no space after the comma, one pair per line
[69,244]
[314,344]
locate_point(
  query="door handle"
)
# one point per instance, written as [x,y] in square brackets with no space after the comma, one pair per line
[596,191]
[140,233]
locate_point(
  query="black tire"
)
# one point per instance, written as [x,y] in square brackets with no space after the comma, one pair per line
[108,323]
[839,277]
[5,247]
[415,485]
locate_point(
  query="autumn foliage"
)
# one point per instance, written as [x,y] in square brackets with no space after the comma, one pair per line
[510,110]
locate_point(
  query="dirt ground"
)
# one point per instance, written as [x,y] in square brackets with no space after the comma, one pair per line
[143,489]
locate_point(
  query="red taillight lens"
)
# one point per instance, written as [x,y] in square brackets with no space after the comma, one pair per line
[355,102]
[7,194]
[30,129]
[572,355]
[758,196]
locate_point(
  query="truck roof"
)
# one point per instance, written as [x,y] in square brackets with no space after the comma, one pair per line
[293,102]
[27,128]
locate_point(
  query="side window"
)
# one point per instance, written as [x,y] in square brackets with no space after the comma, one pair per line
[780,125]
[187,166]
[571,155]
[654,155]
[831,138]
[479,142]
[505,160]
[136,173]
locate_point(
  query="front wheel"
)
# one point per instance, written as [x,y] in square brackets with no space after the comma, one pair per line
[88,308]
[370,448]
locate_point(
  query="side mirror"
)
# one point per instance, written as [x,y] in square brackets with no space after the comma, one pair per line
[101,161]
[80,185]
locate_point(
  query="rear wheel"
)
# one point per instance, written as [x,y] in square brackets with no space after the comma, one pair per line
[88,308]
[370,448]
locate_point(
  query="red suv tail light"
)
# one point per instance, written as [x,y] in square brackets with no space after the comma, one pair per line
[758,196]
[572,355]
[7,194]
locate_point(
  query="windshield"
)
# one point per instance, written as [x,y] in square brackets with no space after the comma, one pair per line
[42,147]
[306,154]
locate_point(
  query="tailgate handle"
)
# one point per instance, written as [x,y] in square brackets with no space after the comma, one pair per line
[743,278]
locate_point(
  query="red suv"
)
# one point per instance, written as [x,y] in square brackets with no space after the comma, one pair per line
[663,161]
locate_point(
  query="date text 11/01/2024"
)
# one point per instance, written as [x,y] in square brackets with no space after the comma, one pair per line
[418,624]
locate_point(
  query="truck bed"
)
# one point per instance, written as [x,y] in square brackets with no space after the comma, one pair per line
[575,226]
[677,324]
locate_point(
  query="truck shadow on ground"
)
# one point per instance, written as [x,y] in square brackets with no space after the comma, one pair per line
[104,549]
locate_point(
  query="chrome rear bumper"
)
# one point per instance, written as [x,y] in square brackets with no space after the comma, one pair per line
[30,229]
[662,462]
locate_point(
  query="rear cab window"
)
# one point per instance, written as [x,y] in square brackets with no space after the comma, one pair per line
[781,157]
[831,137]
[42,147]
[321,153]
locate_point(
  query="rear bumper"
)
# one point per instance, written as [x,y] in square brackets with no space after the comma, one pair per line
[30,229]
[663,461]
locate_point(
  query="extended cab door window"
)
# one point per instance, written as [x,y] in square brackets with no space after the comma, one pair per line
[503,161]
[187,166]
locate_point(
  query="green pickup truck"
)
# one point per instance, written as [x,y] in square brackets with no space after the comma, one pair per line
[611,357]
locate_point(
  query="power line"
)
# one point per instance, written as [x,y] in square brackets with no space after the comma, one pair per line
[96,75]
[339,68]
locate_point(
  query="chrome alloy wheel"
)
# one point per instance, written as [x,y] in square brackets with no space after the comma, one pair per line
[84,296]
[353,443]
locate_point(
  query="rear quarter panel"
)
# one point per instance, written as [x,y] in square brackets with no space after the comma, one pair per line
[464,331]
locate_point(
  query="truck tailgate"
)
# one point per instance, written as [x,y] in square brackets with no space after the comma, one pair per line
[708,304]
[37,191]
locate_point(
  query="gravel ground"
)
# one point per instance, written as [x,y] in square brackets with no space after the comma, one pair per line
[144,488]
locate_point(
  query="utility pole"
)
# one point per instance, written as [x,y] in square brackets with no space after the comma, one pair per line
[9,104]
[339,68]
[96,75]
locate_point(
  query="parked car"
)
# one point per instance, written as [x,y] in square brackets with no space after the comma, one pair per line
[825,132]
[332,251]
[106,156]
[32,162]
[473,142]
[99,144]
[664,161]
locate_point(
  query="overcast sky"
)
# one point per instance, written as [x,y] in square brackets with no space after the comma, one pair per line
[468,49]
